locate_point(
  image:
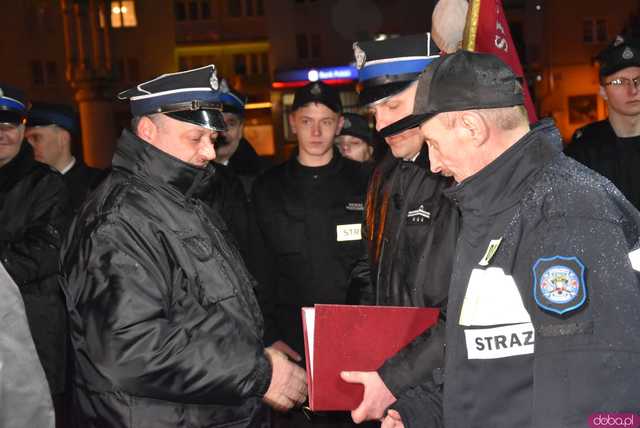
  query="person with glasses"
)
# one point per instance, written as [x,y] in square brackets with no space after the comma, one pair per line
[34,215]
[611,147]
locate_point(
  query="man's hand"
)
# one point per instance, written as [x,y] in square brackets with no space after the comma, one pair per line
[288,387]
[392,420]
[287,350]
[377,396]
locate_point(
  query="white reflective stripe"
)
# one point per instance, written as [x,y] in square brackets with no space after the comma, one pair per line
[492,298]
[397,59]
[172,91]
[634,257]
[349,232]
[500,342]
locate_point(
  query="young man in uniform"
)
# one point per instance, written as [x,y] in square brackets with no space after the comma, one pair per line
[309,213]
[543,328]
[411,227]
[612,146]
[50,131]
[165,326]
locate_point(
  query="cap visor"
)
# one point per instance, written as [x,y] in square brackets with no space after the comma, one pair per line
[371,94]
[9,116]
[409,122]
[207,118]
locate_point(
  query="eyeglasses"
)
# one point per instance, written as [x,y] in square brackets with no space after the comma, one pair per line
[624,82]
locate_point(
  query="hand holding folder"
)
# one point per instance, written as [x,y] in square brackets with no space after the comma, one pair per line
[354,338]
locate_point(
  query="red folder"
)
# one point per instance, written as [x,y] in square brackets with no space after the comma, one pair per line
[354,338]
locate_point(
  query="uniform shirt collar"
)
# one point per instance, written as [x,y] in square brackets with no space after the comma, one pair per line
[70,165]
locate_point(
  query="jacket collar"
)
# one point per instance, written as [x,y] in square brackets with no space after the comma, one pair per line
[296,169]
[145,160]
[16,167]
[503,183]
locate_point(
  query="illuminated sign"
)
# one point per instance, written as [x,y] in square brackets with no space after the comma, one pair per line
[330,75]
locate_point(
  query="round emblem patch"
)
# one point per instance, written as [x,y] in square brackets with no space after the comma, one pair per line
[627,54]
[559,284]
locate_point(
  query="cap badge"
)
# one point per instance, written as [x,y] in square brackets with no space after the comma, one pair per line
[627,53]
[213,81]
[347,124]
[360,55]
[618,41]
[316,90]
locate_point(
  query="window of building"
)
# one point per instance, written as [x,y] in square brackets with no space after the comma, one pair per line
[37,73]
[308,46]
[123,14]
[315,46]
[127,69]
[192,10]
[180,11]
[240,64]
[44,72]
[238,8]
[595,30]
[235,8]
[302,46]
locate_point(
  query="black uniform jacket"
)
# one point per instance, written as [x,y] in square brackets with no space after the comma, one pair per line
[411,229]
[81,180]
[543,328]
[310,221]
[34,215]
[165,326]
[618,159]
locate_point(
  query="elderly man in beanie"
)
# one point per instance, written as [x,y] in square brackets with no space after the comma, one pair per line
[51,129]
[542,328]
[610,146]
[165,325]
[33,219]
[355,141]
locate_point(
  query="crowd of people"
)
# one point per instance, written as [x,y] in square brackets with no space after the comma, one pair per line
[167,291]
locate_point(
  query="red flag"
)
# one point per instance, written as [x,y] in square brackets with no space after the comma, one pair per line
[487,31]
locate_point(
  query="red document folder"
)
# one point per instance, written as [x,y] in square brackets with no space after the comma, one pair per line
[354,338]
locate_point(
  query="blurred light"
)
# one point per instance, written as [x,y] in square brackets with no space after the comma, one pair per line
[254,106]
[381,37]
[538,7]
[539,78]
[313,75]
[123,9]
[116,10]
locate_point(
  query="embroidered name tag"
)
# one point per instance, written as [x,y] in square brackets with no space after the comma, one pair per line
[349,232]
[354,206]
[418,216]
[500,342]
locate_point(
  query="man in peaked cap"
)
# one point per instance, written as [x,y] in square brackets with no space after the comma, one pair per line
[165,325]
[610,146]
[309,213]
[51,129]
[545,284]
[356,138]
[34,216]
[411,227]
